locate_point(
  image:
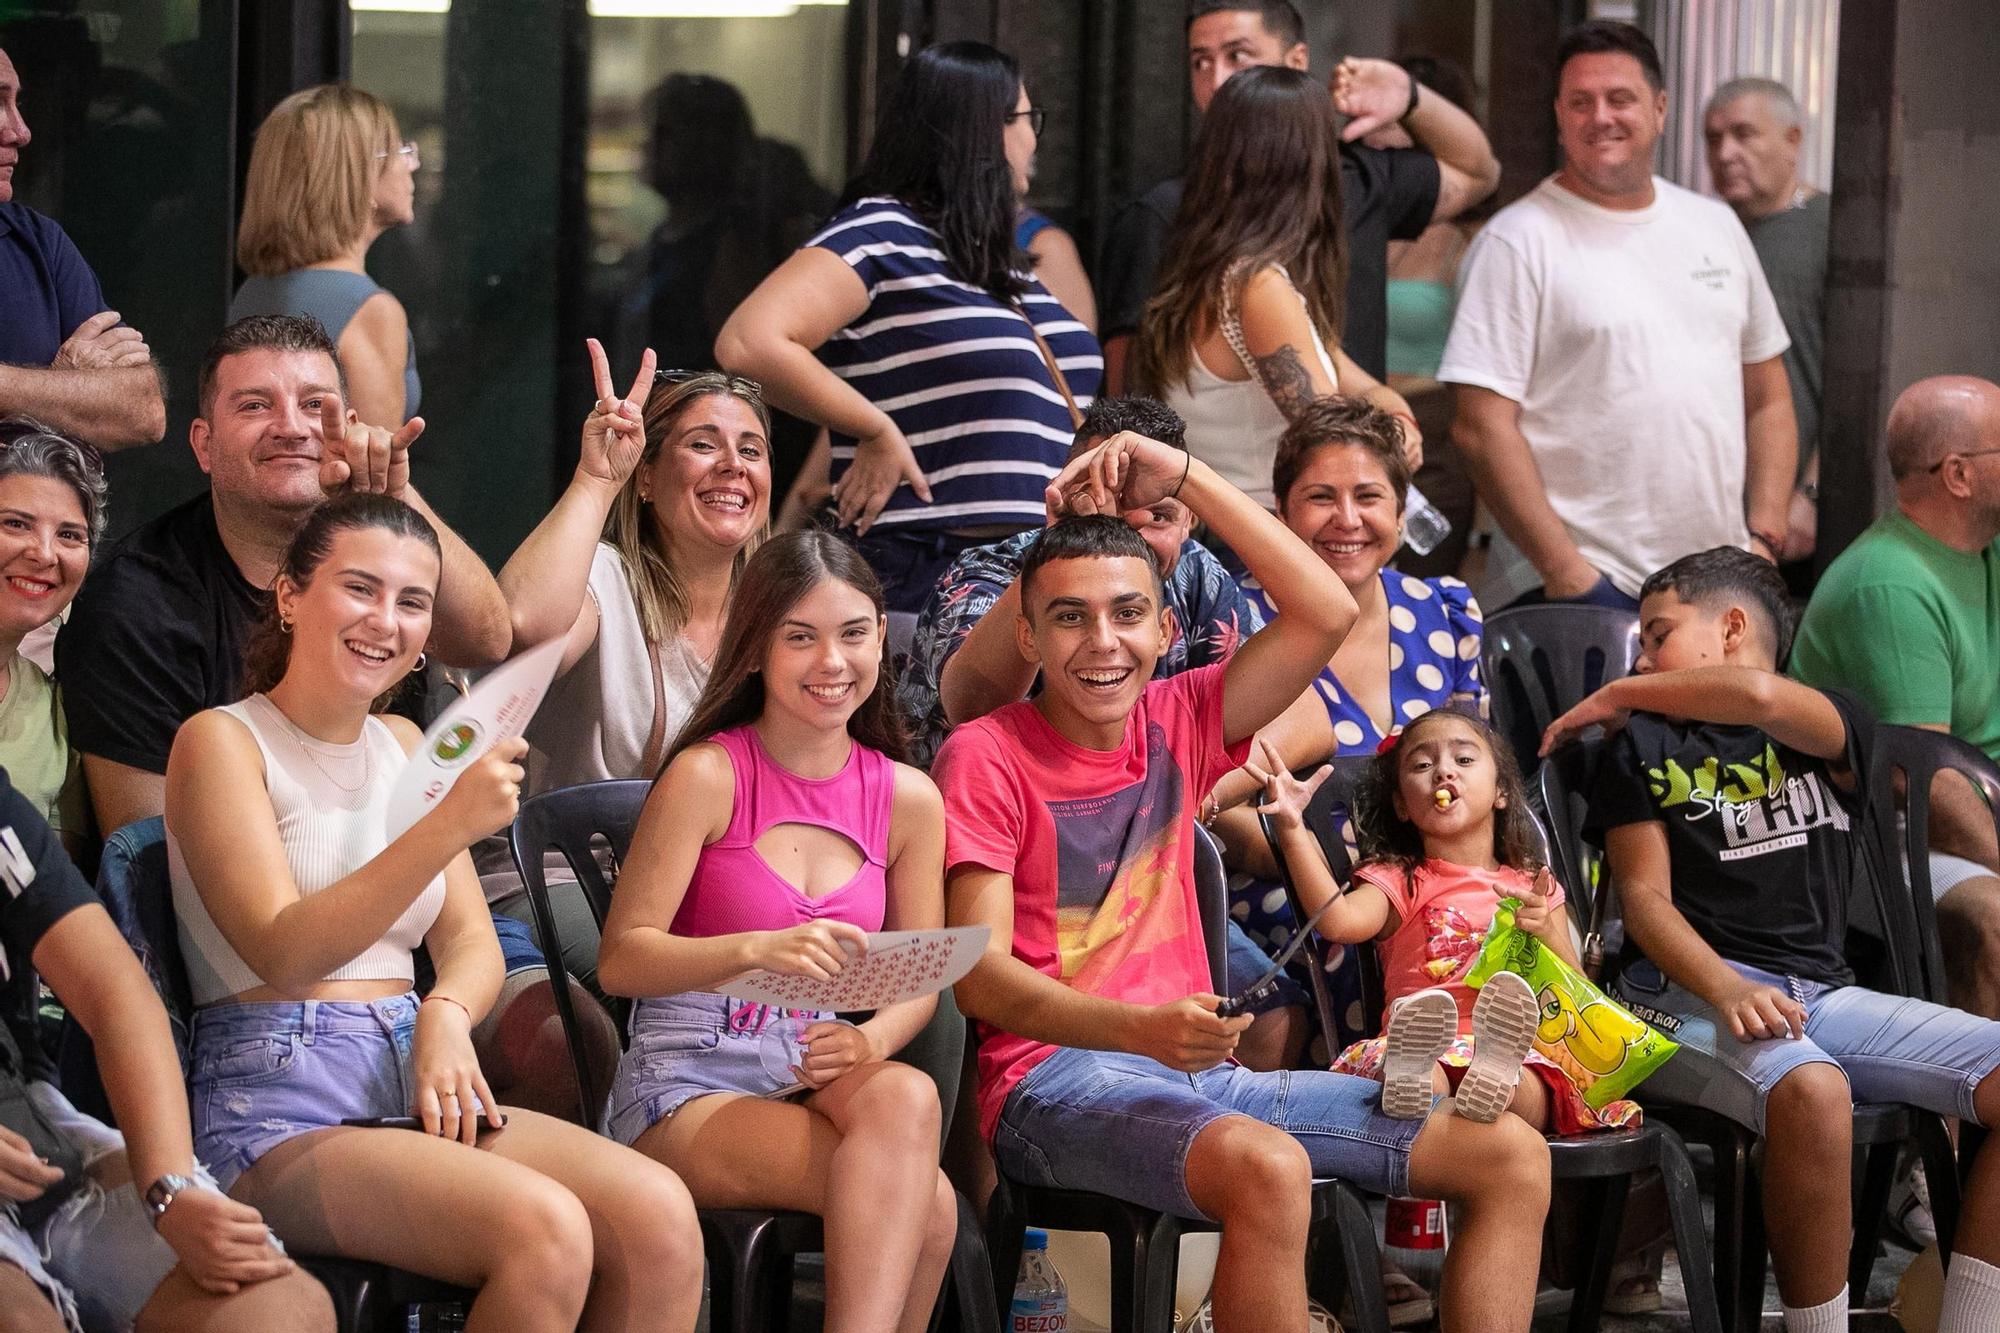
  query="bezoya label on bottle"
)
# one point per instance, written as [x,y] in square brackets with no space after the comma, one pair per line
[1040,1314]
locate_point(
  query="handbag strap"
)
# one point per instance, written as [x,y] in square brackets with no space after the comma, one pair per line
[1055,371]
[656,736]
[1232,323]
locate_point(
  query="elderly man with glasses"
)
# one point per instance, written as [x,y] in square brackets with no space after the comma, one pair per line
[1908,617]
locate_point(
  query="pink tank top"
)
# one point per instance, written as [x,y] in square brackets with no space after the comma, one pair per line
[733,889]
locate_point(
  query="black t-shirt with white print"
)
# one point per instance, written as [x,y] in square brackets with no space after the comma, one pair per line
[1765,847]
[38,887]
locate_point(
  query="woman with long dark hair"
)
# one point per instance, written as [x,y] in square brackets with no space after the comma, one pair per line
[781,833]
[913,330]
[1244,330]
[298,918]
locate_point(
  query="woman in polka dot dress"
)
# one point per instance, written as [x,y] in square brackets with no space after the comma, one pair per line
[1340,480]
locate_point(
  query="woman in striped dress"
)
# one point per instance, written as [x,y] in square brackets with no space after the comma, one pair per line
[912,328]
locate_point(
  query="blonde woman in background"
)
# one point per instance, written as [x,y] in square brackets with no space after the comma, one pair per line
[329,173]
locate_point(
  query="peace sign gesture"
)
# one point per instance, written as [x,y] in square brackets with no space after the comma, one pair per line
[614,434]
[355,456]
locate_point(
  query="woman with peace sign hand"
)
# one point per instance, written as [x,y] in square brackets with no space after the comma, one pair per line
[635,565]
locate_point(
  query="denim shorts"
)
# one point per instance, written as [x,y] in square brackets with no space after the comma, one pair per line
[266,1072]
[1892,1049]
[691,1045]
[97,1257]
[1122,1125]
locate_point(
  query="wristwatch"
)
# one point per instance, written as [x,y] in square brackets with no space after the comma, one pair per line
[160,1195]
[1411,109]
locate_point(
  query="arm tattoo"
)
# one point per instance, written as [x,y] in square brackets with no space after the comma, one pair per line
[1286,379]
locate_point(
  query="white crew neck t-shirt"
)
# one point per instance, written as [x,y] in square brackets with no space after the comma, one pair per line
[1623,336]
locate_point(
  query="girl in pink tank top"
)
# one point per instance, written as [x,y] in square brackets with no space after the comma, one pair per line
[780,833]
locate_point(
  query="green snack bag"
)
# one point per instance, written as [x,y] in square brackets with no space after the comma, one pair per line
[1604,1049]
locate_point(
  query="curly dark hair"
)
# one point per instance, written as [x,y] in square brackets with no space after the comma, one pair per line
[1384,836]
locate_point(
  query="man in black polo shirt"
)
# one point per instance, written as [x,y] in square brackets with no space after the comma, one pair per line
[156,1242]
[65,360]
[1386,194]
[157,632]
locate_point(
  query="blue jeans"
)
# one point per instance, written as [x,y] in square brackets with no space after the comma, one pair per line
[1122,1125]
[697,1043]
[97,1257]
[268,1072]
[1891,1048]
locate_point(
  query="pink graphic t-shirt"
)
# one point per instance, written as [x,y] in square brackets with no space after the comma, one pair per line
[1100,844]
[1445,910]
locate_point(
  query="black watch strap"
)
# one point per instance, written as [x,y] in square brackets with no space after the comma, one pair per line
[1411,109]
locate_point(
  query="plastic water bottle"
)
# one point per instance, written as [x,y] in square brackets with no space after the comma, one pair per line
[1041,1301]
[1424,528]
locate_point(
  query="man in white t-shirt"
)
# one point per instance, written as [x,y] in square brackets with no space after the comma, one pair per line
[1621,399]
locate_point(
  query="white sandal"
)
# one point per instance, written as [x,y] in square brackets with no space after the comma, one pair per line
[1503,1032]
[1421,1026]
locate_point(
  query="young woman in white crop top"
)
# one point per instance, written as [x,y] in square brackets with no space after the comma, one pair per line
[297,918]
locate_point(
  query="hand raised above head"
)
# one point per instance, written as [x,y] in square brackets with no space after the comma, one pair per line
[358,457]
[1371,92]
[1126,471]
[614,434]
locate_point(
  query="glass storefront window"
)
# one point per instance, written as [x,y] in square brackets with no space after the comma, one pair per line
[131,154]
[716,146]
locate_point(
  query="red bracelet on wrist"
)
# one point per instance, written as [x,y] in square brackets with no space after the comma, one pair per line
[448,1000]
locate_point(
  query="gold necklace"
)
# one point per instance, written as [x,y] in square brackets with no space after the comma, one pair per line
[305,741]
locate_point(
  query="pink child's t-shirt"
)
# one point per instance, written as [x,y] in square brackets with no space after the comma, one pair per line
[1445,912]
[1100,844]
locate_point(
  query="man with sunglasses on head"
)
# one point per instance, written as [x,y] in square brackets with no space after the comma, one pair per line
[1908,617]
[65,359]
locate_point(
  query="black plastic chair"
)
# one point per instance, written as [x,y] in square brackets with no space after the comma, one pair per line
[1145,1244]
[1907,760]
[1541,661]
[1879,1129]
[751,1251]
[132,881]
[1602,1163]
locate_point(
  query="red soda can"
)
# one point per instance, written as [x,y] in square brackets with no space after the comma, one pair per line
[1414,1224]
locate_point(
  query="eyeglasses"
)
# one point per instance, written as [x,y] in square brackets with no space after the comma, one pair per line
[1037,118]
[407,150]
[1961,453]
[734,383]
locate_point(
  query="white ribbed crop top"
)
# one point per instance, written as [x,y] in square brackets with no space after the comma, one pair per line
[330,801]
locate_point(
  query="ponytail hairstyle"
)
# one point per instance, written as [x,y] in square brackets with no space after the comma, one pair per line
[269,653]
[1383,836]
[780,574]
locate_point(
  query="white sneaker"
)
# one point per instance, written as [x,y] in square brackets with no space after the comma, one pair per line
[1910,1209]
[1421,1026]
[1503,1031]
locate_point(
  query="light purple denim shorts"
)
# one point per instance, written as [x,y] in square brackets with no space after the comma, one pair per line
[690,1045]
[267,1072]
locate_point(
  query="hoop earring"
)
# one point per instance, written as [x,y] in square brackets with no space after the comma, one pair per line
[417,667]
[284,625]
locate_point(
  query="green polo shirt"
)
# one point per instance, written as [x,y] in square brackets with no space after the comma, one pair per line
[1913,627]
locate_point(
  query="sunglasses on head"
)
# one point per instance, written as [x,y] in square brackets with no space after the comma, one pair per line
[734,383]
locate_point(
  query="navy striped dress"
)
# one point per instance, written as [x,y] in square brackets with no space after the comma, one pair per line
[957,371]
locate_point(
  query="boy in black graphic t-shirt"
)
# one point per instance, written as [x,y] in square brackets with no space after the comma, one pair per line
[1728,802]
